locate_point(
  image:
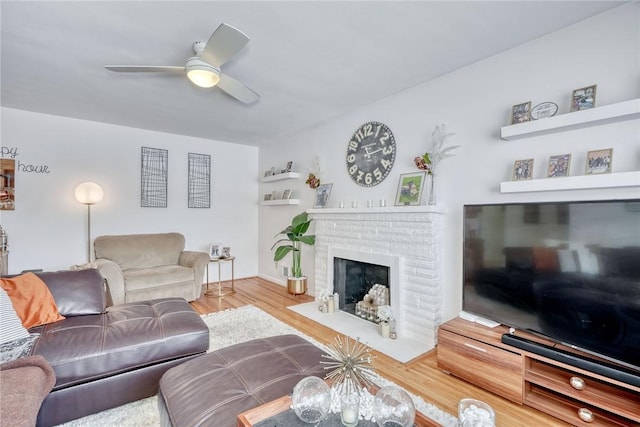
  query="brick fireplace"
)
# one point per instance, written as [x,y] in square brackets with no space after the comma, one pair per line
[407,239]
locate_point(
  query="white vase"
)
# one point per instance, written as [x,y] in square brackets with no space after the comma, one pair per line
[431,197]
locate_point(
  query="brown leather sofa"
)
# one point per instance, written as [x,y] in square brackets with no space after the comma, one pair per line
[105,357]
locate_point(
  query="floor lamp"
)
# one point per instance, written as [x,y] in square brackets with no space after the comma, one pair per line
[89,193]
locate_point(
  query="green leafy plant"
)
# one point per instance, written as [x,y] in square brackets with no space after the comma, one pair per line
[295,238]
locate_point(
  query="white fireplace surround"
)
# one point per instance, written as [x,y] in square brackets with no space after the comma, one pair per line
[406,238]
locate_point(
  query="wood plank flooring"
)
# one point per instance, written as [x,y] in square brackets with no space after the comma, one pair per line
[421,376]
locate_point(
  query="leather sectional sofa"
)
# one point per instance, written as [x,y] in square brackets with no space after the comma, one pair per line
[103,356]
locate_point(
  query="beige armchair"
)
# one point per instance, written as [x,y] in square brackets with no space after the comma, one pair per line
[140,267]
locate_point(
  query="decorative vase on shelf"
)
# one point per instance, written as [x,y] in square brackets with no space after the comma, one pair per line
[431,197]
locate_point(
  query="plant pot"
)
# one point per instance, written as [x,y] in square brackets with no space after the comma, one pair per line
[297,285]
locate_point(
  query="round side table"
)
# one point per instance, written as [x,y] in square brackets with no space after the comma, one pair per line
[220,290]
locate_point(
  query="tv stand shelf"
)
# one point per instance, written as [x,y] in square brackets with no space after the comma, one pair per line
[578,396]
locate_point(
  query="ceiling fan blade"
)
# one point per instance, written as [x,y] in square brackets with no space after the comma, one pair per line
[237,89]
[225,42]
[144,68]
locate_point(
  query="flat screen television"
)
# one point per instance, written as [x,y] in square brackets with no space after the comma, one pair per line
[567,271]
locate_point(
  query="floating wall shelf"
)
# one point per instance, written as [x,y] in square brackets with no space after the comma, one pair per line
[281,177]
[281,202]
[627,110]
[623,179]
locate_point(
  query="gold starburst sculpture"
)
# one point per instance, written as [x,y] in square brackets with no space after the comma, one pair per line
[350,365]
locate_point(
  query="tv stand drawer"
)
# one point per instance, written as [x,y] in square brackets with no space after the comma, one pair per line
[600,397]
[490,367]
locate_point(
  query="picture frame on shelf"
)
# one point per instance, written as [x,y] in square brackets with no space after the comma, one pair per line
[289,166]
[275,195]
[583,98]
[267,197]
[286,194]
[322,195]
[599,161]
[267,173]
[521,113]
[410,189]
[522,170]
[215,250]
[559,166]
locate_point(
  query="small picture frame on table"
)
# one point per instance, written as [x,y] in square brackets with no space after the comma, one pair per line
[522,170]
[410,187]
[559,166]
[583,98]
[215,250]
[599,161]
[322,195]
[521,113]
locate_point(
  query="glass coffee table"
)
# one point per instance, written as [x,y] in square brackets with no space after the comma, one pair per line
[279,412]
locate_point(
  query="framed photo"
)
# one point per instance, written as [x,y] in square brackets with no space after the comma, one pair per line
[521,113]
[559,166]
[583,98]
[286,194]
[322,195]
[289,166]
[267,196]
[599,161]
[275,195]
[410,189]
[522,170]
[215,250]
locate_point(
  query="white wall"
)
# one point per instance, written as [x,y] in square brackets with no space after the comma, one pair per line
[48,227]
[475,102]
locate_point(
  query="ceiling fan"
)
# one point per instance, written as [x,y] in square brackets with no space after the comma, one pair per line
[203,69]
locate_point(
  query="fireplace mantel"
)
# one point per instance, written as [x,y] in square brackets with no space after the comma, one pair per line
[413,234]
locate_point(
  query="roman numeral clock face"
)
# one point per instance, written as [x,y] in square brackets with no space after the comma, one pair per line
[370,154]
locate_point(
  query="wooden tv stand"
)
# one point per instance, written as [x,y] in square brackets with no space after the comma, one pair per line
[476,354]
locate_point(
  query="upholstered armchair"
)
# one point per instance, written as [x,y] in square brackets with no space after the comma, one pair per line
[139,267]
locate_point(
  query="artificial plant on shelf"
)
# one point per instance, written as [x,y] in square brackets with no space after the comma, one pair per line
[296,236]
[438,152]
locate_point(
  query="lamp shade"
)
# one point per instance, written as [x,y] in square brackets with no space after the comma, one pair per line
[89,193]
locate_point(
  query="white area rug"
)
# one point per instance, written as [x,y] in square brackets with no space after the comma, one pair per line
[401,349]
[227,328]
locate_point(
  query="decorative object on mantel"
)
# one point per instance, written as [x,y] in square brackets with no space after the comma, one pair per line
[322,195]
[296,283]
[583,98]
[521,113]
[599,161]
[410,188]
[430,160]
[377,296]
[350,365]
[544,110]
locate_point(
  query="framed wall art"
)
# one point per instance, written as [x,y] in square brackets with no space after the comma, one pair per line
[521,113]
[559,166]
[410,189]
[599,161]
[583,98]
[522,170]
[154,169]
[199,181]
[322,195]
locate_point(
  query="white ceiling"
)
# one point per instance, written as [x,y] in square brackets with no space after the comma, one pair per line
[309,61]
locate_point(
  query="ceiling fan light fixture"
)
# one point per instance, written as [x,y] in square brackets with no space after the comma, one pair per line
[202,74]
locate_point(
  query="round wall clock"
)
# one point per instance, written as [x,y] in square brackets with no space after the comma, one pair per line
[370,154]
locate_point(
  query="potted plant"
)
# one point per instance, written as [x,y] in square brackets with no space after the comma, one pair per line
[296,282]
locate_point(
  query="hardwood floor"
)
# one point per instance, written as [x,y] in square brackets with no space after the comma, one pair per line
[421,376]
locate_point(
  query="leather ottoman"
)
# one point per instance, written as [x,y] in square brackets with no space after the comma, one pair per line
[211,390]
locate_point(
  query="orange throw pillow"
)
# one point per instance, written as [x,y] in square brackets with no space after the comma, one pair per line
[32,300]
